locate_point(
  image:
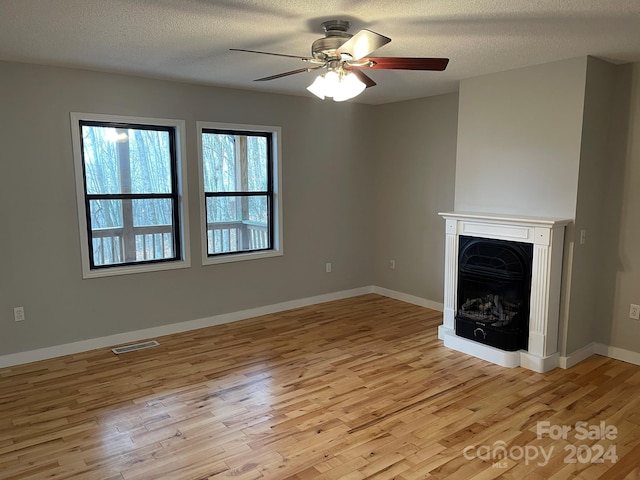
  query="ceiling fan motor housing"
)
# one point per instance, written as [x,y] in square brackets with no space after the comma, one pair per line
[335,35]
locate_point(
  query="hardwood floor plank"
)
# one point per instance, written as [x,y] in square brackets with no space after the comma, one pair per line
[352,389]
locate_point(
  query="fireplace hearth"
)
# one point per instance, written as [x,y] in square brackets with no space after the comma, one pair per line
[494,286]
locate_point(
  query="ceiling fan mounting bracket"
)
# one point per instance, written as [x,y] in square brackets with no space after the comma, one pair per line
[336,27]
[335,36]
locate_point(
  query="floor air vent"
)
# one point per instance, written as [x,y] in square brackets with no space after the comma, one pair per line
[133,348]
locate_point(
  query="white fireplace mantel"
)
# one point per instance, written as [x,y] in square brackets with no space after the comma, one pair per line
[547,237]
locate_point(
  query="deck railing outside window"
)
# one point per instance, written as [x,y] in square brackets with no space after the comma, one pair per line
[155,242]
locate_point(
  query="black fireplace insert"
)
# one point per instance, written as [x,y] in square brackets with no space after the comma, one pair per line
[494,289]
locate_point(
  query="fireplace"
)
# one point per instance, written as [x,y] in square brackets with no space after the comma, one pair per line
[502,288]
[494,286]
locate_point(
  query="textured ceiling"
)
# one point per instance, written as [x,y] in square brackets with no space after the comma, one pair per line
[189,40]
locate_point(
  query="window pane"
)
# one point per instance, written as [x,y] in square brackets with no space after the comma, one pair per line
[150,158]
[108,250]
[219,167]
[258,209]
[106,232]
[124,231]
[101,159]
[224,209]
[152,211]
[234,163]
[257,164]
[105,214]
[237,224]
[121,160]
[154,243]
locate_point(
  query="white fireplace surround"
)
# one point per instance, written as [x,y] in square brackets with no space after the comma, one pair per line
[547,237]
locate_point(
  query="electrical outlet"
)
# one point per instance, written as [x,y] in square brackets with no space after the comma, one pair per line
[583,237]
[18,314]
[634,311]
[327,267]
[392,264]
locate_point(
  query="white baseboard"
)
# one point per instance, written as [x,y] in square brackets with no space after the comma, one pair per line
[618,353]
[534,363]
[405,297]
[137,335]
[599,349]
[539,364]
[577,356]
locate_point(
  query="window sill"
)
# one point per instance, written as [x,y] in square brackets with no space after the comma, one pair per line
[130,269]
[239,257]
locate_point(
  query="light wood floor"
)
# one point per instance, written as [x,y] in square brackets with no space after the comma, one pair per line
[352,389]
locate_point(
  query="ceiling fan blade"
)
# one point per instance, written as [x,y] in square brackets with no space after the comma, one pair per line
[364,78]
[286,74]
[268,53]
[408,63]
[362,44]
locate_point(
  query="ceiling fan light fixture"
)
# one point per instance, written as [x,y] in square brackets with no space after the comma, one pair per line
[350,87]
[339,85]
[317,87]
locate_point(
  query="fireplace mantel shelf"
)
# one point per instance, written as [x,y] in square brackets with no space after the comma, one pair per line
[547,237]
[507,219]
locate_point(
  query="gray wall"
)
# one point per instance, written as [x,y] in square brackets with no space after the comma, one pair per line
[415,174]
[327,187]
[613,183]
[600,163]
[623,332]
[519,140]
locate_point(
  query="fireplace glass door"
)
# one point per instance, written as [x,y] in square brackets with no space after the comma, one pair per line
[494,289]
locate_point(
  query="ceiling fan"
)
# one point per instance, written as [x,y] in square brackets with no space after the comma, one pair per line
[343,55]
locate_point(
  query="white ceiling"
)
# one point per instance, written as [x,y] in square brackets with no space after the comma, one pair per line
[189,40]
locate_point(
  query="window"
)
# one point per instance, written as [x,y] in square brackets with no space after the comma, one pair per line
[130,188]
[240,168]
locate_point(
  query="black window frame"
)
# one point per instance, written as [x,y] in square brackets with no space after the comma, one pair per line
[269,193]
[174,195]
